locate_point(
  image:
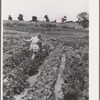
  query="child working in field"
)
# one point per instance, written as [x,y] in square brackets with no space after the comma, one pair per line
[35,45]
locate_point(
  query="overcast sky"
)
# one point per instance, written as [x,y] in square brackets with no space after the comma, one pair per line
[55,9]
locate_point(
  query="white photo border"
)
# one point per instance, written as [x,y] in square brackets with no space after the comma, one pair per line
[93,49]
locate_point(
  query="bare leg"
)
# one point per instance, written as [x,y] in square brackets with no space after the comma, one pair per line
[33,56]
[30,48]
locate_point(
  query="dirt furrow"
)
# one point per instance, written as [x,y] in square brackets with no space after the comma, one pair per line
[58,86]
[43,89]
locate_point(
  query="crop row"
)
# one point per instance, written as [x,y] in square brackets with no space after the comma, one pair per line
[43,89]
[17,69]
[76,75]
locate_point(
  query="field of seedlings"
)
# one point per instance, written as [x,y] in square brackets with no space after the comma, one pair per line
[63,74]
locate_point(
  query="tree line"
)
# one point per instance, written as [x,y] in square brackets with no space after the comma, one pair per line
[35,19]
[82,19]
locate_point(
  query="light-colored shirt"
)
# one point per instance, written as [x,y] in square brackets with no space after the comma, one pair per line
[33,46]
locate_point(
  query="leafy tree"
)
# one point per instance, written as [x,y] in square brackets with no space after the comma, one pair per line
[20,17]
[34,18]
[64,19]
[9,18]
[46,17]
[83,19]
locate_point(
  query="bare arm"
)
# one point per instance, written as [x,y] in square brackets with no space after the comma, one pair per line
[27,40]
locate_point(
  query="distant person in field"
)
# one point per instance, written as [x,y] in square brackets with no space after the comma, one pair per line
[35,45]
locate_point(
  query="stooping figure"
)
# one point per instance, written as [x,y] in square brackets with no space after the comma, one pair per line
[35,45]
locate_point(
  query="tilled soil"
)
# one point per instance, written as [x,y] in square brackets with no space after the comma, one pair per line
[43,89]
[61,76]
[63,71]
[16,71]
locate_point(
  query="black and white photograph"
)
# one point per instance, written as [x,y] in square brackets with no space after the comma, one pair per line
[45,50]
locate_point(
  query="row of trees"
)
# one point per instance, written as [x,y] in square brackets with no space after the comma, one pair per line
[35,19]
[83,18]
